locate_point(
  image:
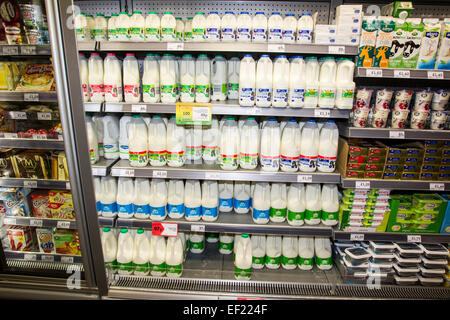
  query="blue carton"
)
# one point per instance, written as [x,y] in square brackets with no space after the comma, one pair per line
[445,226]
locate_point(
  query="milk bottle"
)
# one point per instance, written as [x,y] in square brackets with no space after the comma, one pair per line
[112,78]
[270,146]
[193,144]
[111,137]
[184,237]
[278,202]
[137,142]
[125,248]
[150,79]
[258,251]
[261,203]
[84,76]
[175,199]
[210,200]
[123,27]
[168,79]
[109,248]
[123,138]
[259,26]
[98,194]
[226,192]
[305,252]
[157,142]
[241,197]
[141,254]
[188,30]
[158,199]
[264,82]
[313,204]
[179,29]
[187,78]
[290,140]
[168,26]
[226,241]
[229,145]
[125,197]
[98,125]
[92,140]
[202,78]
[289,28]
[176,145]
[131,79]
[218,78]
[152,26]
[289,255]
[327,84]
[192,200]
[174,257]
[157,256]
[228,26]
[249,144]
[273,252]
[199,26]
[296,204]
[330,204]
[197,242]
[312,82]
[244,27]
[137,26]
[297,82]
[305,28]
[112,27]
[345,87]
[328,146]
[275,25]
[233,78]
[322,248]
[213,26]
[109,196]
[96,89]
[280,82]
[247,81]
[90,27]
[237,239]
[309,147]
[210,139]
[243,259]
[141,202]
[100,27]
[80,25]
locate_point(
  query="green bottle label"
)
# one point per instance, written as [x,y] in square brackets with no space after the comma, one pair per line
[142,268]
[312,215]
[175,270]
[198,33]
[243,273]
[233,87]
[152,33]
[226,246]
[158,269]
[347,94]
[137,32]
[327,94]
[258,261]
[168,33]
[305,261]
[187,90]
[273,261]
[311,93]
[197,245]
[323,261]
[168,90]
[122,31]
[202,90]
[81,33]
[128,267]
[289,261]
[279,213]
[330,215]
[296,216]
[150,89]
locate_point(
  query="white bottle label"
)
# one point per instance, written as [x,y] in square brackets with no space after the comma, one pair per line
[112,92]
[246,95]
[289,162]
[228,34]
[111,149]
[243,34]
[263,94]
[275,35]
[167,34]
[152,34]
[97,92]
[259,35]
[175,158]
[297,96]
[131,92]
[198,34]
[288,36]
[308,161]
[212,34]
[150,91]
[304,36]
[280,95]
[326,162]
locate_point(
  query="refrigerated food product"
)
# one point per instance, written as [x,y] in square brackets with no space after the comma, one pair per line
[67,242]
[37,77]
[45,240]
[40,204]
[61,204]
[20,238]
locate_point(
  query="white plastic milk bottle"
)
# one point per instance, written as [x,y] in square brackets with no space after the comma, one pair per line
[243,259]
[226,242]
[280,81]
[213,26]
[289,28]
[210,141]
[305,28]
[80,25]
[199,27]
[141,202]
[202,78]
[187,78]
[111,137]
[158,256]
[249,144]
[275,25]
[313,203]
[84,76]
[228,26]
[152,27]
[309,147]
[109,196]
[322,248]
[273,252]
[125,248]
[296,204]
[261,203]
[258,251]
[112,78]
[137,26]
[233,66]
[158,199]
[345,86]
[289,153]
[141,253]
[176,144]
[168,26]
[109,248]
[270,146]
[312,82]
[193,144]
[210,200]
[226,192]
[289,255]
[174,257]
[278,202]
[137,142]
[98,125]
[297,82]
[259,27]
[197,242]
[123,27]
[188,30]
[218,78]
[192,200]
[229,145]
[328,146]
[264,82]
[90,26]
[330,204]
[305,253]
[175,199]
[167,78]
[244,27]
[150,79]
[112,27]
[241,197]
[92,140]
[96,88]
[123,138]
[125,197]
[327,83]
[98,194]
[157,153]
[179,28]
[131,79]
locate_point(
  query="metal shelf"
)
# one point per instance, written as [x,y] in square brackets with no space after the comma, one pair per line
[92,107]
[25,50]
[106,222]
[86,45]
[32,96]
[397,184]
[213,172]
[403,73]
[231,107]
[37,256]
[386,133]
[31,115]
[102,167]
[23,143]
[40,222]
[392,236]
[34,183]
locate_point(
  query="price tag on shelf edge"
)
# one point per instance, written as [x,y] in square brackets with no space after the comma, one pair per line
[168,229]
[394,134]
[9,135]
[159,174]
[10,221]
[336,49]
[212,176]
[375,73]
[322,113]
[44,116]
[18,115]
[139,108]
[36,223]
[357,237]
[402,74]
[10,50]
[197,228]
[63,224]
[437,186]
[414,238]
[67,185]
[304,178]
[435,74]
[175,46]
[47,258]
[126,173]
[276,47]
[30,184]
[29,257]
[67,259]
[193,113]
[201,114]
[362,184]
[39,136]
[31,97]
[29,50]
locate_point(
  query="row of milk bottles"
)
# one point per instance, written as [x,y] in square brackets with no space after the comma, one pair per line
[165,79]
[194,200]
[258,251]
[297,82]
[141,253]
[243,28]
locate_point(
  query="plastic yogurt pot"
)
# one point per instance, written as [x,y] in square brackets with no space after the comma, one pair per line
[419,119]
[399,119]
[360,117]
[383,98]
[438,120]
[379,118]
[440,100]
[423,100]
[363,97]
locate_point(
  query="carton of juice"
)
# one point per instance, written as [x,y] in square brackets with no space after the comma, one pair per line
[386,28]
[368,41]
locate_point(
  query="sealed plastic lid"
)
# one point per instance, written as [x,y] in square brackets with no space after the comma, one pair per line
[290,15]
[275,13]
[190,18]
[123,230]
[167,55]
[271,119]
[137,12]
[100,15]
[178,18]
[130,54]
[149,55]
[106,229]
[244,236]
[136,116]
[251,118]
[297,57]
[229,12]
[248,55]
[81,14]
[114,15]
[187,55]
[280,57]
[89,15]
[199,13]
[123,13]
[230,118]
[408,248]
[156,116]
[140,231]
[95,54]
[330,121]
[292,120]
[265,56]
[168,12]
[312,121]
[213,12]
[306,14]
[152,12]
[110,54]
[202,55]
[260,13]
[244,12]
[311,58]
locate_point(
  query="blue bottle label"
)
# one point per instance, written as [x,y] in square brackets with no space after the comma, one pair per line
[192,212]
[99,206]
[175,208]
[209,212]
[109,207]
[158,211]
[125,208]
[226,203]
[142,209]
[241,204]
[261,214]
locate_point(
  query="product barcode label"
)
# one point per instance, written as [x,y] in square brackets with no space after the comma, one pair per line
[375,73]
[435,74]
[437,186]
[362,184]
[211,176]
[276,48]
[336,49]
[36,223]
[47,258]
[10,221]
[10,50]
[63,224]
[414,238]
[9,135]
[159,174]
[167,229]
[198,228]
[138,108]
[175,46]
[67,259]
[29,50]
[39,136]
[126,173]
[201,114]
[31,97]
[304,178]
[44,116]
[29,257]
[30,184]
[357,237]
[322,113]
[401,74]
[394,134]
[18,115]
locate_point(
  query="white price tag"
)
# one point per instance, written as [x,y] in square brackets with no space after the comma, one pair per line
[336,49]
[175,46]
[101,172]
[63,224]
[255,111]
[394,134]
[36,223]
[29,257]
[29,50]
[414,238]
[10,221]
[362,184]
[47,258]
[304,178]
[322,113]
[401,74]
[126,173]
[437,186]
[139,108]
[198,228]
[211,176]
[170,229]
[60,137]
[67,259]
[375,73]
[435,74]
[357,237]
[30,184]
[39,136]
[44,116]
[18,115]
[201,114]
[276,47]
[31,97]
[10,50]
[9,135]
[67,185]
[159,174]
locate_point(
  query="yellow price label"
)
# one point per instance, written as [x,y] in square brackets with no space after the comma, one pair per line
[193,113]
